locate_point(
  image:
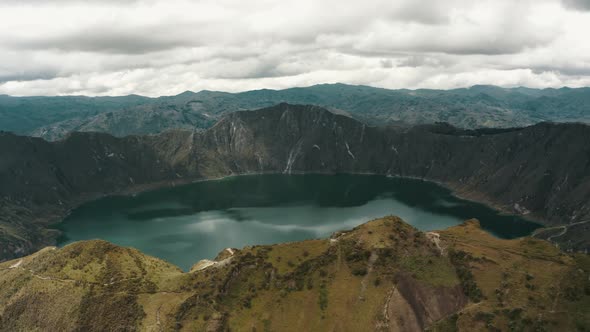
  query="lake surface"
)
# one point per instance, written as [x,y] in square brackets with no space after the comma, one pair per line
[187,223]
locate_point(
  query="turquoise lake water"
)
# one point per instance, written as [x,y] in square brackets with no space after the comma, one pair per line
[187,223]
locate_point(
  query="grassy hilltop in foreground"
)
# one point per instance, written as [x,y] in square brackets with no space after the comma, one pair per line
[383,275]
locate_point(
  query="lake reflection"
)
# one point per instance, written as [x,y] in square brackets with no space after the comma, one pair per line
[185,224]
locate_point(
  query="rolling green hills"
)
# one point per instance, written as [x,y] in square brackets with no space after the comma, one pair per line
[479,106]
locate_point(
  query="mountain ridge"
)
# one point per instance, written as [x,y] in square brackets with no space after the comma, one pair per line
[478,106]
[336,84]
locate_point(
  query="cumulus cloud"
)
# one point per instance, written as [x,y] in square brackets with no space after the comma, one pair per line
[157,47]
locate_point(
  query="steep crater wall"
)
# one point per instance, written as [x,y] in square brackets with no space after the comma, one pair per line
[542,171]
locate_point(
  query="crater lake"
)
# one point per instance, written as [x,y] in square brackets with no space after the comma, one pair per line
[187,223]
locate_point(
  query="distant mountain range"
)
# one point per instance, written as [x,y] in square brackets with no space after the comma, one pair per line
[53,118]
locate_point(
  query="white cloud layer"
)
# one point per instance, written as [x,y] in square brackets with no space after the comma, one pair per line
[163,47]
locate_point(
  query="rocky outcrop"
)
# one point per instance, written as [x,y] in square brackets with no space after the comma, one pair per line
[421,304]
[542,171]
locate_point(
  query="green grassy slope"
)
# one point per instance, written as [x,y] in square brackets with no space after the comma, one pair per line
[383,275]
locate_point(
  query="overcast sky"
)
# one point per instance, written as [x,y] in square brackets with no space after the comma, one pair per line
[164,47]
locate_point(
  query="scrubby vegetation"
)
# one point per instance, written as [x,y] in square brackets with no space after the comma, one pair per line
[460,260]
[377,276]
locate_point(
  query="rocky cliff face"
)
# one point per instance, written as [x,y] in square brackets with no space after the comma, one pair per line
[542,171]
[382,276]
